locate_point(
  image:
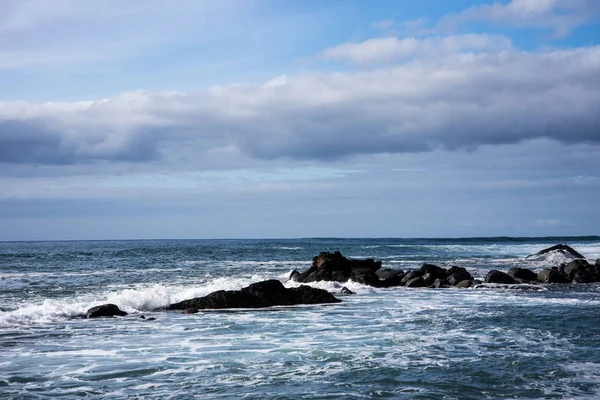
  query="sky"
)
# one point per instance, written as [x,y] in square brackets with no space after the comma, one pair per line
[284,119]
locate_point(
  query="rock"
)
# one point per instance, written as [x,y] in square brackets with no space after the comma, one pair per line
[458,274]
[429,278]
[439,284]
[416,282]
[552,275]
[190,311]
[495,276]
[104,310]
[434,270]
[346,291]
[579,271]
[393,281]
[410,275]
[258,295]
[562,248]
[143,318]
[523,274]
[467,283]
[335,267]
[386,273]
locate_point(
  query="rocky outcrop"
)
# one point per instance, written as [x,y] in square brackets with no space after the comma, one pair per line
[105,310]
[258,295]
[335,267]
[561,248]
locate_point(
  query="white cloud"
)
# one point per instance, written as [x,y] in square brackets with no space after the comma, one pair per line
[390,49]
[559,16]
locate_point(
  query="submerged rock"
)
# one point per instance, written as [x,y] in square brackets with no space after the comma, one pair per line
[346,291]
[555,255]
[258,295]
[563,248]
[105,310]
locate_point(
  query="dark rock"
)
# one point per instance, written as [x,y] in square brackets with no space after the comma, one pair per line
[345,290]
[190,311]
[105,310]
[429,278]
[522,273]
[552,275]
[293,275]
[439,284]
[258,295]
[335,267]
[579,270]
[562,248]
[434,270]
[524,281]
[458,274]
[147,319]
[393,281]
[467,283]
[416,282]
[495,276]
[410,275]
[386,273]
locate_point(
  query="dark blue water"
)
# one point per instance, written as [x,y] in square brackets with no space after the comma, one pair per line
[543,342]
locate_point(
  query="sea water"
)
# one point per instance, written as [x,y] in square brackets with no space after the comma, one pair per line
[539,341]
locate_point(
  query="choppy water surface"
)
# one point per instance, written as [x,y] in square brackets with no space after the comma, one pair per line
[380,343]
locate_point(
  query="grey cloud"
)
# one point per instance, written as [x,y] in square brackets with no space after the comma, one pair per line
[458,102]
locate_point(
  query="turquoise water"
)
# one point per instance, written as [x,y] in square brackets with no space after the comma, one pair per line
[380,343]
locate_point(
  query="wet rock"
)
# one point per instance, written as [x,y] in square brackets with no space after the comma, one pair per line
[439,284]
[579,271]
[105,310]
[434,270]
[143,318]
[560,248]
[416,282]
[429,278]
[387,273]
[467,283]
[523,274]
[346,291]
[495,276]
[410,275]
[552,275]
[458,274]
[258,295]
[335,267]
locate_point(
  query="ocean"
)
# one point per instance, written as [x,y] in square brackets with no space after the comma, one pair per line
[536,342]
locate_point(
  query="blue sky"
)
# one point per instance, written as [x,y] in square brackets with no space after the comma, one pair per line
[273,118]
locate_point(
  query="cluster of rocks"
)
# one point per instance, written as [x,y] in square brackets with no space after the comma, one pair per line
[267,293]
[337,268]
[258,295]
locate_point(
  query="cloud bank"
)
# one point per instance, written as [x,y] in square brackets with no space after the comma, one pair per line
[457,102]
